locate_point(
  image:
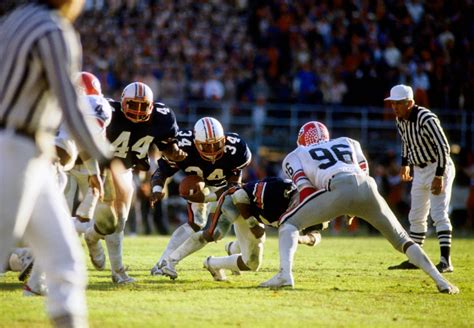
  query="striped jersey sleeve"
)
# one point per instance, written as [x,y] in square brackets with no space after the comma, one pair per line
[423,140]
[40,53]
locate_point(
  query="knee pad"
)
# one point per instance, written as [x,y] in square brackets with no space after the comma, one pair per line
[106,219]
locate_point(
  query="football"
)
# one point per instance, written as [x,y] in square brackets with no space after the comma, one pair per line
[190,185]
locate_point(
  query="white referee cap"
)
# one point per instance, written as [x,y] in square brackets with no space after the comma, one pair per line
[400,92]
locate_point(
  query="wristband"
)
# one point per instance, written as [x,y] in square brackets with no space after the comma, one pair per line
[157,188]
[440,177]
[209,196]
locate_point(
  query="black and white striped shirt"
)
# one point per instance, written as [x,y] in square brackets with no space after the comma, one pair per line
[39,54]
[423,140]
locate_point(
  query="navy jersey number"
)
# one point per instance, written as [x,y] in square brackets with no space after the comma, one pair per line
[329,157]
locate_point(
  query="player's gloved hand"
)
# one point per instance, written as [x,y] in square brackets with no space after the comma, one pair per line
[97,185]
[405,174]
[257,231]
[175,154]
[156,197]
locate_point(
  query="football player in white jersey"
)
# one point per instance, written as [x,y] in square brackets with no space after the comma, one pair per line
[333,174]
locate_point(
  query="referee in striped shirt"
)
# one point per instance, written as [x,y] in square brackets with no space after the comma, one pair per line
[39,54]
[426,149]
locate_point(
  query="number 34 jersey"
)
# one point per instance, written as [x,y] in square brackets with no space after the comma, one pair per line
[320,162]
[133,140]
[236,156]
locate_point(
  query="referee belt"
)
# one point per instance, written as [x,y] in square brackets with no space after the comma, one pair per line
[423,165]
[19,131]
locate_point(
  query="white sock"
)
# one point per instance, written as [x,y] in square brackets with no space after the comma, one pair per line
[225,262]
[177,238]
[234,247]
[114,248]
[81,227]
[194,243]
[87,207]
[92,234]
[418,257]
[287,244]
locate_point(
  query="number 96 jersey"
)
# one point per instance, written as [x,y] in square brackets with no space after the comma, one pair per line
[132,141]
[320,162]
[236,156]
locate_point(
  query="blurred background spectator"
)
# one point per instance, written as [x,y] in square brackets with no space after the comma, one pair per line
[299,50]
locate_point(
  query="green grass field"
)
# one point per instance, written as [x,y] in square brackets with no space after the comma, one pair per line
[343,282]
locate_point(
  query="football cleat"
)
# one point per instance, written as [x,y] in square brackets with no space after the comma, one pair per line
[169,269]
[26,261]
[444,267]
[217,274]
[41,290]
[405,265]
[447,288]
[121,277]
[280,280]
[96,253]
[315,238]
[156,271]
[227,248]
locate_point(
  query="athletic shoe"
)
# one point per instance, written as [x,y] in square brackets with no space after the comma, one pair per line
[315,238]
[227,248]
[29,291]
[156,271]
[169,269]
[406,265]
[280,280]
[26,260]
[447,288]
[96,253]
[444,267]
[217,274]
[121,277]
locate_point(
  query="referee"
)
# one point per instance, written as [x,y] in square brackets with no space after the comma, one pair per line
[425,148]
[40,53]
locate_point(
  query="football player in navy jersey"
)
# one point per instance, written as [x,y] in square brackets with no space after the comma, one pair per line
[137,124]
[218,158]
[249,208]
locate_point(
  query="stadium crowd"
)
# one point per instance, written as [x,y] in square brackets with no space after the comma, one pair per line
[331,52]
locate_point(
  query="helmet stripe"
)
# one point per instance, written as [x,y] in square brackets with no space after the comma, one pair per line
[209,128]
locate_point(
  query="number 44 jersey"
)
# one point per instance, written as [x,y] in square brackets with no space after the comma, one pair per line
[320,162]
[132,141]
[236,156]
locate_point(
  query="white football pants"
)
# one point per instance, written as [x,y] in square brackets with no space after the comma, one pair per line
[33,207]
[422,199]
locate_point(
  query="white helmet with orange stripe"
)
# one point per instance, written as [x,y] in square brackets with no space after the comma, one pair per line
[137,102]
[209,138]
